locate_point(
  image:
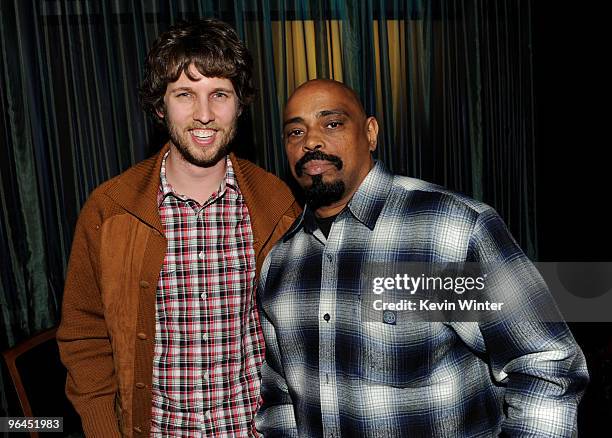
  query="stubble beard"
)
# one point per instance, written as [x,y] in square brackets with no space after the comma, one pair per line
[221,147]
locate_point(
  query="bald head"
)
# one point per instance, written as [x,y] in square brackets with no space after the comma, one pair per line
[314,86]
[329,141]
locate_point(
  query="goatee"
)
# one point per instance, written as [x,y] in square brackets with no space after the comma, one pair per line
[319,193]
[322,194]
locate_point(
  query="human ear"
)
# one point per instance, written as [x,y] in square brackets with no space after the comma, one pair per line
[372,133]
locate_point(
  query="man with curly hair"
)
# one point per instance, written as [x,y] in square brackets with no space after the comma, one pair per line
[160,332]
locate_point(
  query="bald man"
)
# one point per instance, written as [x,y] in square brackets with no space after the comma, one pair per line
[333,370]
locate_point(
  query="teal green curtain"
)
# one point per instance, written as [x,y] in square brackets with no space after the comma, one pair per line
[449,80]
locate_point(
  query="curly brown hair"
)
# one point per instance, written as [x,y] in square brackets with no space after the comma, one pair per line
[211,45]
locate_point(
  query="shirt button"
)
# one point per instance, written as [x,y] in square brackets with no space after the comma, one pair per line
[330,257]
[137,429]
[201,255]
[142,336]
[205,337]
[326,317]
[140,385]
[205,376]
[203,295]
[144,284]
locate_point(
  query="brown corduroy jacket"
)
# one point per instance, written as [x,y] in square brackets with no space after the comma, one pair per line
[107,330]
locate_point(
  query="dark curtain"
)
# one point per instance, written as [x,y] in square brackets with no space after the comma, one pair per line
[449,80]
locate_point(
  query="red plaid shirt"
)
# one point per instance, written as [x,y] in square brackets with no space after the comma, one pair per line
[208,343]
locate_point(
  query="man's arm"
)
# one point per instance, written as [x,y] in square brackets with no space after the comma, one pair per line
[83,337]
[275,418]
[539,362]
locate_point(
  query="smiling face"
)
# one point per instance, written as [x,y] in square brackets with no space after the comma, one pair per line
[201,115]
[328,140]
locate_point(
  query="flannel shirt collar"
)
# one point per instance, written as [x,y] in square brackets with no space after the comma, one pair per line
[365,205]
[165,188]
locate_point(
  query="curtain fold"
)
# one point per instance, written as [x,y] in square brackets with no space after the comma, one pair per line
[449,80]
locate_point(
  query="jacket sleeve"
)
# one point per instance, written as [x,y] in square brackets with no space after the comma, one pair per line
[275,418]
[82,336]
[533,355]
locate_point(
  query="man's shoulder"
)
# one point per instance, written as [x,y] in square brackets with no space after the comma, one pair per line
[423,194]
[262,188]
[252,173]
[132,179]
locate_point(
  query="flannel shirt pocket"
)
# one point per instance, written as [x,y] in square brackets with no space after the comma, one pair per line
[400,355]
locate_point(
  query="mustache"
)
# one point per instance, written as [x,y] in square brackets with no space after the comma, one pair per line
[316,155]
[197,125]
[211,125]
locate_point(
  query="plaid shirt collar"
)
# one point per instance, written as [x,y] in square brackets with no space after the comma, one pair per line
[166,189]
[365,205]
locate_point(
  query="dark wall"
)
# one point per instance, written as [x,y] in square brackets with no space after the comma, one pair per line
[571,131]
[571,84]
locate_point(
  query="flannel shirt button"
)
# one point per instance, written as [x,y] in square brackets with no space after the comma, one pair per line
[137,429]
[205,337]
[326,317]
[140,385]
[203,296]
[144,284]
[330,257]
[205,376]
[142,336]
[201,255]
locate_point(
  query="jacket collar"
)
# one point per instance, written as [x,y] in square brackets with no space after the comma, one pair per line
[136,191]
[266,201]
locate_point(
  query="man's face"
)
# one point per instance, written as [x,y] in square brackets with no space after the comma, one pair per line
[328,141]
[201,116]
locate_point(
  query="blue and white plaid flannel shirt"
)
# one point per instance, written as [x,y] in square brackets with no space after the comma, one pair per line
[329,373]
